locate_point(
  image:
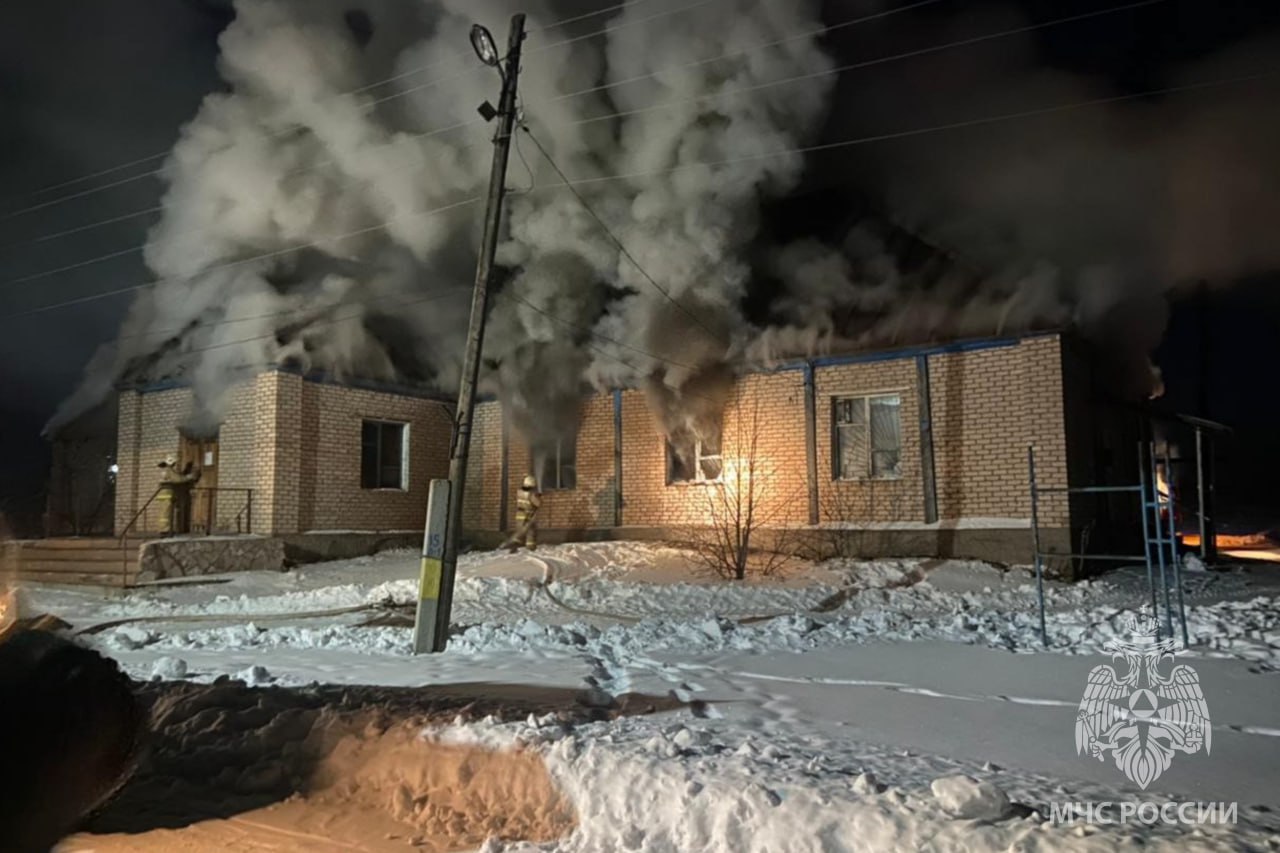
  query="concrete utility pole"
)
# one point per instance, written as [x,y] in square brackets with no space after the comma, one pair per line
[506,115]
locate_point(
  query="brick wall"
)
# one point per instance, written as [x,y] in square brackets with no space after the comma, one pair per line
[330,423]
[988,406]
[149,423]
[482,498]
[867,499]
[765,410]
[128,441]
[277,452]
[296,444]
[590,503]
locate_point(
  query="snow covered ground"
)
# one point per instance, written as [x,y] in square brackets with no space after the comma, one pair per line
[846,705]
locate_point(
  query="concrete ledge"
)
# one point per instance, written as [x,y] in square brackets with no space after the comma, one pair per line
[208,555]
[318,547]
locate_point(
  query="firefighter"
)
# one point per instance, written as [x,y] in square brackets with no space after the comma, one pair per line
[527,503]
[174,496]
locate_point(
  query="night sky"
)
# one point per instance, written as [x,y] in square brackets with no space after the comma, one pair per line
[89,84]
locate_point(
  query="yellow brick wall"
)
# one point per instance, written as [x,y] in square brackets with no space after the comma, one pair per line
[128,439]
[988,406]
[296,444]
[328,494]
[590,504]
[277,452]
[896,499]
[765,407]
[484,469]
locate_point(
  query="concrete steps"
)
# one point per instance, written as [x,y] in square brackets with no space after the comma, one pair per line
[94,561]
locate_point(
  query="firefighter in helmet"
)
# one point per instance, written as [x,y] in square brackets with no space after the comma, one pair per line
[527,502]
[174,497]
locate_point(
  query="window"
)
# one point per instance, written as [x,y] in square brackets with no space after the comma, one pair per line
[559,465]
[866,437]
[691,459]
[384,461]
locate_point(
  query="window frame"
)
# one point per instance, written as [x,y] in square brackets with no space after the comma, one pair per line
[383,423]
[558,468]
[698,479]
[867,462]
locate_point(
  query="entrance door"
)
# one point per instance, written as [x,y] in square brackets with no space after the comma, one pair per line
[202,453]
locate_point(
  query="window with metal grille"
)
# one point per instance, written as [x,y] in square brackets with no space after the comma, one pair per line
[694,460]
[384,457]
[866,437]
[559,465]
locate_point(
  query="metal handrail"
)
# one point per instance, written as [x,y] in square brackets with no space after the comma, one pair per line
[245,512]
[124,538]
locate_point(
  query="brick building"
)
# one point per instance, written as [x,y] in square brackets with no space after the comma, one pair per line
[292,455]
[927,446]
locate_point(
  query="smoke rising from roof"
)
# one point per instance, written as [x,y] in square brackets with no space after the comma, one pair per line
[1086,220]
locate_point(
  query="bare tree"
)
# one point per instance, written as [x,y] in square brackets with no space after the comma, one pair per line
[849,513]
[746,510]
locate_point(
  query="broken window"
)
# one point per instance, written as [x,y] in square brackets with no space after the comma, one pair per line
[559,465]
[692,459]
[866,437]
[384,458]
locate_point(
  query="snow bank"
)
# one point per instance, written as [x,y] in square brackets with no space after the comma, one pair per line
[644,784]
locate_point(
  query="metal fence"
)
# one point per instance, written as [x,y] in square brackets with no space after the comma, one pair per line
[1158,511]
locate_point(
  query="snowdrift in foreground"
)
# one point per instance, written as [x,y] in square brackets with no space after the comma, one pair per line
[645,785]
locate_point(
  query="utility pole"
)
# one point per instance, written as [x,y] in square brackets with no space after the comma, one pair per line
[506,114]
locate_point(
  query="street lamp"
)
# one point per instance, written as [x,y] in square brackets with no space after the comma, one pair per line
[482,42]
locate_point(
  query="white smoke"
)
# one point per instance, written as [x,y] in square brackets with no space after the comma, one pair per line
[298,222]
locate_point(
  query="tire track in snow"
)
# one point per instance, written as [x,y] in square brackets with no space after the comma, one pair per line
[899,687]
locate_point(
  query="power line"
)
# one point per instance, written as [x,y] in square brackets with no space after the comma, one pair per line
[419,69]
[614,238]
[66,232]
[828,146]
[910,54]
[330,322]
[641,110]
[142,247]
[820,31]
[291,312]
[570,324]
[562,22]
[401,93]
[241,261]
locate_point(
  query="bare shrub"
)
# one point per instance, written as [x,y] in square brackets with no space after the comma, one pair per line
[746,511]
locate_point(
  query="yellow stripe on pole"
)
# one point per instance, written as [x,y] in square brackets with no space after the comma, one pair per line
[429,583]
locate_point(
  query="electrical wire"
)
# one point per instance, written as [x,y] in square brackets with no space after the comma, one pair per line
[882,60]
[142,247]
[241,261]
[782,152]
[292,312]
[577,326]
[399,94]
[568,184]
[820,31]
[641,110]
[329,322]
